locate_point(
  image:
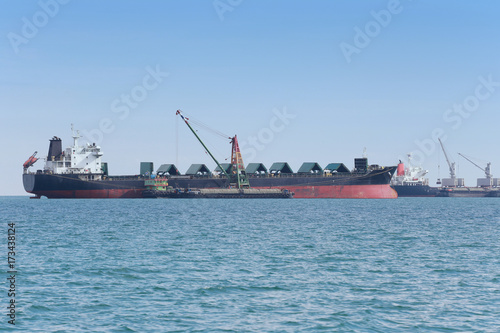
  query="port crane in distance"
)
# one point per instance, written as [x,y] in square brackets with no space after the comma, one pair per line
[487,170]
[451,165]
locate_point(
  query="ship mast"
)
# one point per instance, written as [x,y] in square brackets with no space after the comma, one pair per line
[76,135]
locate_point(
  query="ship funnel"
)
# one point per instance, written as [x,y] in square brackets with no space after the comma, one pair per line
[55,148]
[401,169]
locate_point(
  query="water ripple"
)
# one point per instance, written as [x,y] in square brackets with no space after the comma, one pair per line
[425,265]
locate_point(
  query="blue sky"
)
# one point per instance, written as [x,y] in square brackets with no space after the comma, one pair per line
[274,72]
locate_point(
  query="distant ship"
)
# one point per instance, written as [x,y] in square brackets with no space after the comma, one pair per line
[78,172]
[411,181]
[469,192]
[455,187]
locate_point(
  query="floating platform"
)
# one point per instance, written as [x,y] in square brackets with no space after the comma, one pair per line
[206,193]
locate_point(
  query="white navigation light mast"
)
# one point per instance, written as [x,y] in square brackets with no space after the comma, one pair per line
[76,136]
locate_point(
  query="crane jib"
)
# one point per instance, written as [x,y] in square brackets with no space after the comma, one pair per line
[206,149]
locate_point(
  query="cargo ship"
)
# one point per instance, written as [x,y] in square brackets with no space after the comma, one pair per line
[78,172]
[455,187]
[469,192]
[410,181]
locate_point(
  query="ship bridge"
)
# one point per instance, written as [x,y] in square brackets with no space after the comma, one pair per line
[74,159]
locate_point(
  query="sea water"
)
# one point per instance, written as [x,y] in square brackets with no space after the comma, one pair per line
[253,265]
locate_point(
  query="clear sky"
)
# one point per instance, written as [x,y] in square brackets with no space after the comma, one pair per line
[297,81]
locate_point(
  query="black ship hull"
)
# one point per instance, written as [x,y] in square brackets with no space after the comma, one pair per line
[415,190]
[72,186]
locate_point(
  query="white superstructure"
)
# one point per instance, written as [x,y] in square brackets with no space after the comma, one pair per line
[413,175]
[75,159]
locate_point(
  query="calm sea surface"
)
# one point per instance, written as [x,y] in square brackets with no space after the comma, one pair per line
[405,265]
